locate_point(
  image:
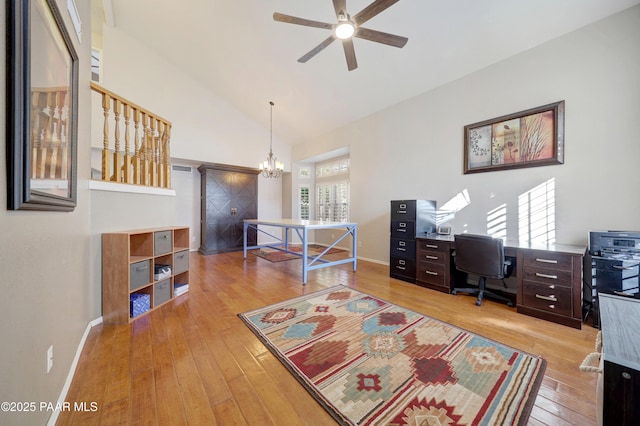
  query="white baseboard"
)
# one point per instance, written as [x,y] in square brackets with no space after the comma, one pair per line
[72,370]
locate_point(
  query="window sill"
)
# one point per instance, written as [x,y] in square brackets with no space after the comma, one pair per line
[98,185]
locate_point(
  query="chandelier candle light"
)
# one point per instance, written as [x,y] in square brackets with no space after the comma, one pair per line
[271,167]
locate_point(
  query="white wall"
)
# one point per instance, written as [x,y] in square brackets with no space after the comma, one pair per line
[205,127]
[415,149]
[47,296]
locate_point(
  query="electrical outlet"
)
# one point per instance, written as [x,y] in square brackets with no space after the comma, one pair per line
[49,358]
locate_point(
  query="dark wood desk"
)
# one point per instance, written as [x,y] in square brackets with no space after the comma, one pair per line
[548,277]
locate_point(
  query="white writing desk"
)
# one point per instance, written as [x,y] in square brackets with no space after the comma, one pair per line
[302,228]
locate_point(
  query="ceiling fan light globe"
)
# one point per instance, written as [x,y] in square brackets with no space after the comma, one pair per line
[344,30]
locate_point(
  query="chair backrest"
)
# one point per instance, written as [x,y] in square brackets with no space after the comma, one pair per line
[480,254]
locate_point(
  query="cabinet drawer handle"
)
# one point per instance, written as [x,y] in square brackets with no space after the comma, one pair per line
[431,246]
[546,260]
[401,230]
[431,273]
[402,268]
[549,298]
[552,277]
[551,287]
[401,249]
[401,211]
[432,257]
[552,306]
[626,267]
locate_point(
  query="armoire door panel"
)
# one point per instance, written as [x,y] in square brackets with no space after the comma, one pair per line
[229,195]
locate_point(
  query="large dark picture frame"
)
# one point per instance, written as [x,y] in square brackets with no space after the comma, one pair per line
[530,138]
[42,108]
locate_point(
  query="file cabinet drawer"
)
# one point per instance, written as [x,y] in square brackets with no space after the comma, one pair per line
[403,229]
[403,210]
[404,267]
[405,249]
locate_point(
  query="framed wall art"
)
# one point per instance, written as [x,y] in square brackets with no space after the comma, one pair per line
[42,105]
[530,138]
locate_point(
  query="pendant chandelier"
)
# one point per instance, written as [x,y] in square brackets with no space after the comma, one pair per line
[271,167]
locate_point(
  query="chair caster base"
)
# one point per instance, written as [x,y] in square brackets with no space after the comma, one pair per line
[510,304]
[478,303]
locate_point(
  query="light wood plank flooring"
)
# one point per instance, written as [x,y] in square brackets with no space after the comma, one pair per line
[193,361]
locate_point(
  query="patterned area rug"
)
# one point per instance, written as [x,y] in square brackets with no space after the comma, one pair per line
[274,255]
[368,361]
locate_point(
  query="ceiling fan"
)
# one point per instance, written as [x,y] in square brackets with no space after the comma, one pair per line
[346,28]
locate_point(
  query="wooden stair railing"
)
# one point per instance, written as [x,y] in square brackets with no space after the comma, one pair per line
[146,161]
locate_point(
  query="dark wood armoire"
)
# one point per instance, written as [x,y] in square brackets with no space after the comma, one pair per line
[229,194]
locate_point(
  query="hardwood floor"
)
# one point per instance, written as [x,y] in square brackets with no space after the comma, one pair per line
[194,362]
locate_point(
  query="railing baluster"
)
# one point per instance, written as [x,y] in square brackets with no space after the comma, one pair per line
[117,157]
[147,160]
[136,153]
[106,167]
[167,156]
[127,155]
[144,156]
[152,150]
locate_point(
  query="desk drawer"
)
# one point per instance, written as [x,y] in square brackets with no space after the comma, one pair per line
[433,245]
[433,273]
[548,259]
[542,296]
[405,249]
[432,256]
[548,276]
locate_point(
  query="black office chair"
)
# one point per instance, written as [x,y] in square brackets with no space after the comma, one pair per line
[484,256]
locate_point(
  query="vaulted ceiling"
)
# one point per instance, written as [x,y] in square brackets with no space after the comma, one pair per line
[235,48]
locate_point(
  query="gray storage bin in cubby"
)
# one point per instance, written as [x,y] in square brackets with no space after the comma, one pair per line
[139,274]
[180,262]
[161,292]
[162,242]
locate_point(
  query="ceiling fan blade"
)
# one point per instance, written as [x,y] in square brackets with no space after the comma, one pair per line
[380,37]
[350,54]
[340,6]
[313,52]
[300,21]
[372,10]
